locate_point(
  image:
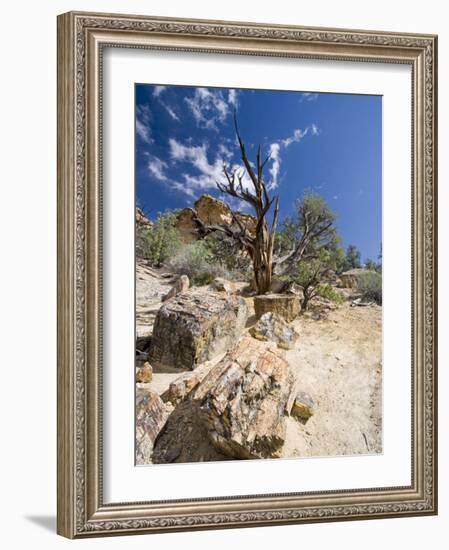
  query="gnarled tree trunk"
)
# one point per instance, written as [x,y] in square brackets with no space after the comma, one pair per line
[259,246]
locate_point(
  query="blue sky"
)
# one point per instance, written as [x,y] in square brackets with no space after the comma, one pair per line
[330,143]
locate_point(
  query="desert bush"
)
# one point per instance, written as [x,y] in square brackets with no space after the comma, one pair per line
[161,241]
[225,253]
[370,285]
[330,293]
[190,260]
[197,262]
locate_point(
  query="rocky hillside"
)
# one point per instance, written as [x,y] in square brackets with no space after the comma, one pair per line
[223,375]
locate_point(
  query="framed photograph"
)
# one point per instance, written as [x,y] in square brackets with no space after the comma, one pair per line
[247,250]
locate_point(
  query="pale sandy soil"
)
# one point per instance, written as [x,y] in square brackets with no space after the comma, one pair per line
[337,361]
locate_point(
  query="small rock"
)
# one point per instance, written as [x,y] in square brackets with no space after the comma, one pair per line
[303,406]
[272,327]
[296,290]
[180,388]
[144,374]
[180,286]
[222,285]
[278,285]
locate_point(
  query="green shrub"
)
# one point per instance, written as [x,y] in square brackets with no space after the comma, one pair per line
[191,259]
[161,241]
[203,278]
[197,262]
[224,252]
[370,285]
[329,292]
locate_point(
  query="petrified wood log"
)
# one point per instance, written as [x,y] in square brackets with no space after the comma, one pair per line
[285,305]
[243,400]
[195,327]
[151,415]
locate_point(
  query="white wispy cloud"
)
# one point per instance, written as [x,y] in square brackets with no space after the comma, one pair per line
[157,168]
[309,96]
[206,173]
[208,107]
[275,164]
[158,90]
[297,136]
[157,93]
[233,97]
[171,112]
[143,123]
[183,188]
[276,147]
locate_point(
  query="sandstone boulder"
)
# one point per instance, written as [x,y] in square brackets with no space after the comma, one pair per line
[210,211]
[213,211]
[142,221]
[286,306]
[223,285]
[185,225]
[243,400]
[143,225]
[272,327]
[181,285]
[196,326]
[247,221]
[144,374]
[151,416]
[349,279]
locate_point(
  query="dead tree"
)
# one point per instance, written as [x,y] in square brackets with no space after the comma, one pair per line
[258,245]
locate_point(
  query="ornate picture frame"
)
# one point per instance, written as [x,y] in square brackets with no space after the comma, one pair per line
[82,38]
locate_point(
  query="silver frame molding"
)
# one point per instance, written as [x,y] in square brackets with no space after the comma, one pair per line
[81,39]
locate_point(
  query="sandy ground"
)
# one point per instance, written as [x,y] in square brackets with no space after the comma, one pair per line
[337,361]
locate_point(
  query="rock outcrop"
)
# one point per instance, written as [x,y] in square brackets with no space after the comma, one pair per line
[271,327]
[181,285]
[349,279]
[186,226]
[286,306]
[151,415]
[196,326]
[243,400]
[210,211]
[213,211]
[143,224]
[142,221]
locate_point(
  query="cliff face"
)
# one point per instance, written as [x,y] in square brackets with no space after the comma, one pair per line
[142,221]
[212,212]
[142,224]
